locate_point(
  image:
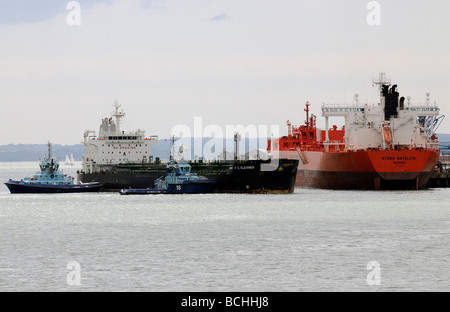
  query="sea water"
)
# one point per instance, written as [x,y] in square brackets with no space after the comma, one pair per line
[311,240]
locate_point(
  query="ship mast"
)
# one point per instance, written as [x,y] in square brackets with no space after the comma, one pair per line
[118,115]
[172,148]
[307,115]
[50,156]
[380,81]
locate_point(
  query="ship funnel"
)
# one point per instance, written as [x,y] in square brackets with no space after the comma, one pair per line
[402,103]
[391,101]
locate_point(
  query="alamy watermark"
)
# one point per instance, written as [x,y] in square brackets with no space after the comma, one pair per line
[374,16]
[374,276]
[74,276]
[225,144]
[74,16]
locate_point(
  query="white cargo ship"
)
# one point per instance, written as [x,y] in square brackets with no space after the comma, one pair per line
[114,146]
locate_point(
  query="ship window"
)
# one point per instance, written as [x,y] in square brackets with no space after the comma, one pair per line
[134,138]
[115,138]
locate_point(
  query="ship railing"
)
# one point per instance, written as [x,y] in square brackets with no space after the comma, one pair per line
[433,145]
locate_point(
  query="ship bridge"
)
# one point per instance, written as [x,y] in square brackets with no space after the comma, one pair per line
[114,146]
[394,122]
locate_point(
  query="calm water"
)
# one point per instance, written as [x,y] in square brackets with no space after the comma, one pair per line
[312,240]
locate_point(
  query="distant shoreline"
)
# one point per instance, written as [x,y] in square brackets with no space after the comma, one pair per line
[35,152]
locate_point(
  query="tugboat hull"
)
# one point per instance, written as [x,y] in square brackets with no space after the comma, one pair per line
[194,187]
[17,187]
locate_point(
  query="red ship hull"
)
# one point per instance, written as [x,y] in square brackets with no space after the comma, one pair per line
[364,170]
[385,146]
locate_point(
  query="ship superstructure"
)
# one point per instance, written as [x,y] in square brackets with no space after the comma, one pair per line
[389,145]
[114,146]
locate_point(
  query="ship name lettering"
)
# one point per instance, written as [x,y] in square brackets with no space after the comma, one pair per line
[406,158]
[399,158]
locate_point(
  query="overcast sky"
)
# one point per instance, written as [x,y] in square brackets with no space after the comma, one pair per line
[231,62]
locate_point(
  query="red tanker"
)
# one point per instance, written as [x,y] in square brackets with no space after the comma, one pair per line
[385,146]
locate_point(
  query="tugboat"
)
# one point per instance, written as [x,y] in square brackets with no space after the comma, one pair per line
[178,180]
[50,180]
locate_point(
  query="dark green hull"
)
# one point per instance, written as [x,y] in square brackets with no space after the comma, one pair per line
[248,176]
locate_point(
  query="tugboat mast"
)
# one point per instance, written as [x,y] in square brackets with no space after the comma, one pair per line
[50,156]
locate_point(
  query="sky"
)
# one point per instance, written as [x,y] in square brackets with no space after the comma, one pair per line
[228,62]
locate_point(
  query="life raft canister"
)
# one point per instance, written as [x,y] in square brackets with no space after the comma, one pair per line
[387,134]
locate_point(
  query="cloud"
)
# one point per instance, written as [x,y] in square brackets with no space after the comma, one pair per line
[219,17]
[32,11]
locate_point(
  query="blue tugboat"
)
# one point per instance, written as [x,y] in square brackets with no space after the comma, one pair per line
[50,180]
[178,180]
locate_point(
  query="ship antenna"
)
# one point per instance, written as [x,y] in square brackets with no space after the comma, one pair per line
[172,151]
[50,156]
[428,98]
